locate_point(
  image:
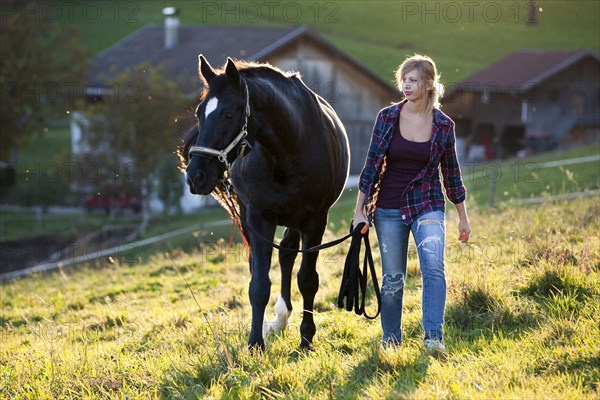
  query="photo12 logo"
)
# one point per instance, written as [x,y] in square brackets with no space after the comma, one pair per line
[469,11]
[68,92]
[124,12]
[270,11]
[72,171]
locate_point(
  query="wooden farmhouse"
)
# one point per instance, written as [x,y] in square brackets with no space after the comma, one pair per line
[528,101]
[356,93]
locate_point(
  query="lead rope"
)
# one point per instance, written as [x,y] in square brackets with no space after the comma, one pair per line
[354,282]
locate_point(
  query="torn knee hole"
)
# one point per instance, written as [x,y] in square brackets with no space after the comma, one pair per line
[392,284]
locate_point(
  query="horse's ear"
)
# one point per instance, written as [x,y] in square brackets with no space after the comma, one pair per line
[206,71]
[232,71]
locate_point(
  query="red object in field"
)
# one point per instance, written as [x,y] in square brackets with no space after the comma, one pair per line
[97,202]
[107,202]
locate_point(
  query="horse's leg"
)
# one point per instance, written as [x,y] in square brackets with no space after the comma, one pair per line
[283,308]
[260,284]
[308,282]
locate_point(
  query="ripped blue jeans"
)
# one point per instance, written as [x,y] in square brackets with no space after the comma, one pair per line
[429,234]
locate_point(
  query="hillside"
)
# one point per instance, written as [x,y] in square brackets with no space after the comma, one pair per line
[523,301]
[462,37]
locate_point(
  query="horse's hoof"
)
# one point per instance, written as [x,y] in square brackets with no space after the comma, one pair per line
[256,348]
[305,345]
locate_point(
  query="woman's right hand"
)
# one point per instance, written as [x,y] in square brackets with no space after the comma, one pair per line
[360,214]
[360,217]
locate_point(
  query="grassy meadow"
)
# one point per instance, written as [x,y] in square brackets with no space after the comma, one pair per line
[521,320]
[171,320]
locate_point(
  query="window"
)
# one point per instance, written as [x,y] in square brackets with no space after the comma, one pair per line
[524,111]
[578,103]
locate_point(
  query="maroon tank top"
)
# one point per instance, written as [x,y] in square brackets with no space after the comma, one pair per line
[404,160]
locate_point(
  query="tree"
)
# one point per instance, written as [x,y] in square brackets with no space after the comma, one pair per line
[170,185]
[41,66]
[137,122]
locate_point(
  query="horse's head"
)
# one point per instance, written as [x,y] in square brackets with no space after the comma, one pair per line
[222,127]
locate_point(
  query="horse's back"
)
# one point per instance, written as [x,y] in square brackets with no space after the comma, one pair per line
[305,175]
[340,147]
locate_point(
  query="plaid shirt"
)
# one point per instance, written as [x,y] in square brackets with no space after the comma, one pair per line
[424,193]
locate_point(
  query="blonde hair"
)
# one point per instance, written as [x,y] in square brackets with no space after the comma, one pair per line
[427,72]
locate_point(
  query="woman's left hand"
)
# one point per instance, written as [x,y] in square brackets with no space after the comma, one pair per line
[464,229]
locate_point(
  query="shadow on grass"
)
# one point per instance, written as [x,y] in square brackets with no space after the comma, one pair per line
[404,371]
[481,313]
[234,378]
[587,367]
[195,379]
[560,281]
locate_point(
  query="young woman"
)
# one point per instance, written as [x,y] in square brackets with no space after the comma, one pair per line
[400,192]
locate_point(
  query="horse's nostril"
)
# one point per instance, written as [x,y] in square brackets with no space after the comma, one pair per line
[199,179]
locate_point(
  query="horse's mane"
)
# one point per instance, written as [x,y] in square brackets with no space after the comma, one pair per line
[275,86]
[256,68]
[231,204]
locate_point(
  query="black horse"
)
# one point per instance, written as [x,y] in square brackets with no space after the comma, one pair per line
[285,154]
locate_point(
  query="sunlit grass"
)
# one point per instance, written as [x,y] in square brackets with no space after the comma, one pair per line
[521,322]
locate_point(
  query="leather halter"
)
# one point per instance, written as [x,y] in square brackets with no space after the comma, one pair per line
[241,137]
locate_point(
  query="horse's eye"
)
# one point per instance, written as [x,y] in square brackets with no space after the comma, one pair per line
[228,115]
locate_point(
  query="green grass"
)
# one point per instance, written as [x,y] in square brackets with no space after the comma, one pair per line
[43,160]
[48,145]
[378,33]
[521,322]
[18,225]
[517,179]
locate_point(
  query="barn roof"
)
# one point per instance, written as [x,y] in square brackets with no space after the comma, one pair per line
[215,42]
[521,70]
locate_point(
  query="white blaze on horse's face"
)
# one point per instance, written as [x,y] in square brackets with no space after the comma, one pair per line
[211,106]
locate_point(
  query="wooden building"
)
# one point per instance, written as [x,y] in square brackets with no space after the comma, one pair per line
[529,100]
[355,92]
